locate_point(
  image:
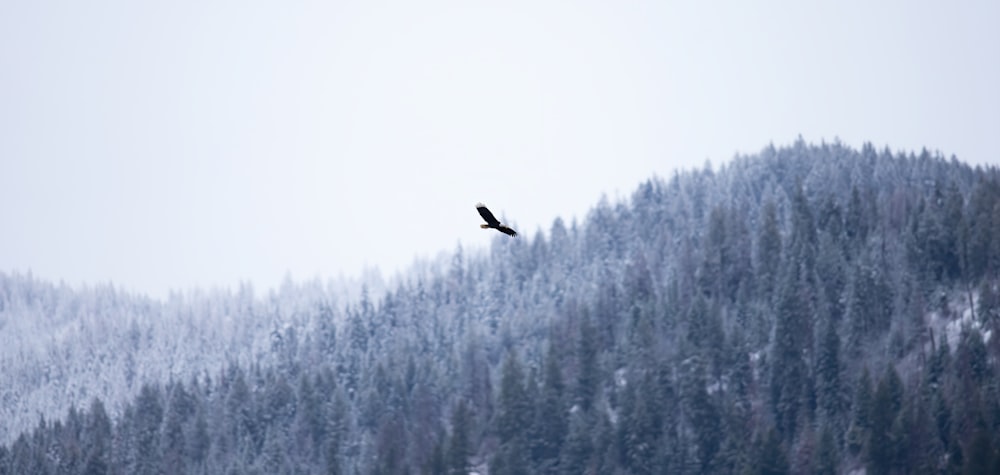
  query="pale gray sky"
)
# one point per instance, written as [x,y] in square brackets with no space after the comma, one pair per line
[167,145]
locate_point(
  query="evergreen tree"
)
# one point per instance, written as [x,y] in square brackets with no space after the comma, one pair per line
[588,378]
[914,434]
[97,440]
[831,267]
[638,431]
[988,308]
[975,233]
[705,335]
[792,342]
[513,412]
[24,458]
[436,464]
[769,458]
[607,453]
[992,270]
[199,442]
[123,442]
[803,240]
[829,395]
[278,408]
[981,459]
[736,408]
[148,417]
[856,221]
[869,305]
[576,452]
[861,410]
[701,413]
[738,265]
[827,459]
[971,366]
[716,259]
[326,333]
[550,418]
[768,252]
[66,444]
[941,415]
[309,427]
[886,403]
[274,458]
[951,217]
[459,444]
[179,409]
[513,419]
[239,415]
[935,248]
[337,426]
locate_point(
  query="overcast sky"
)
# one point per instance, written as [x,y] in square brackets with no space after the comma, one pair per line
[171,144]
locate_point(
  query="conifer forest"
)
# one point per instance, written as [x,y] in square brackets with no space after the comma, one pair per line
[808,309]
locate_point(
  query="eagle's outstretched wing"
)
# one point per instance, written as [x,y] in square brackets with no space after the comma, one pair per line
[507,230]
[487,215]
[492,221]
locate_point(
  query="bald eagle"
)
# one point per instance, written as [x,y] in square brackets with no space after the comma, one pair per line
[492,222]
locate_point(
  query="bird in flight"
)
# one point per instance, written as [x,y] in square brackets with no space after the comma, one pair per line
[492,222]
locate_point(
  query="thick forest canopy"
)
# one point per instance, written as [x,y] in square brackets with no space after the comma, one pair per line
[806,309]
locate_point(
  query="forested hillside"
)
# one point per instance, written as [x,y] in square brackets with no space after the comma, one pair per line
[808,309]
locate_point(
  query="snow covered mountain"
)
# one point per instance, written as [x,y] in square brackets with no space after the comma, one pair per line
[809,308]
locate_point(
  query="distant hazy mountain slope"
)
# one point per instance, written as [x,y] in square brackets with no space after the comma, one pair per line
[65,346]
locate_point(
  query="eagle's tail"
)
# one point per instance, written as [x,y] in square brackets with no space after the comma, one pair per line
[484,226]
